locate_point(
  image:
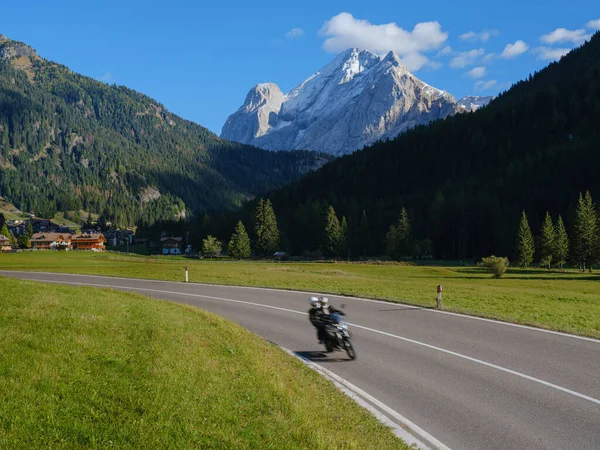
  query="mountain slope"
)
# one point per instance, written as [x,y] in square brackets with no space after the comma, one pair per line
[353,101]
[466,179]
[70,142]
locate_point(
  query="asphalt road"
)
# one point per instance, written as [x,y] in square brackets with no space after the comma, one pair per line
[470,383]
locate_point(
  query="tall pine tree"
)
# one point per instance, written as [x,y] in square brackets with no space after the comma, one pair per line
[586,229]
[239,244]
[365,241]
[403,234]
[525,247]
[333,233]
[344,238]
[561,248]
[547,242]
[267,232]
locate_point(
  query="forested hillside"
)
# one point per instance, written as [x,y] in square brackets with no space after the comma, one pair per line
[465,180]
[69,142]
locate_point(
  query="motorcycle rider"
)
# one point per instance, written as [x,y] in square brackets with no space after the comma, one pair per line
[315,317]
[319,315]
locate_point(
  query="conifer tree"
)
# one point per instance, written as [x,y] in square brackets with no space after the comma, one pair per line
[333,233]
[344,238]
[239,245]
[547,242]
[391,242]
[586,231]
[4,231]
[364,235]
[561,248]
[403,234]
[211,247]
[267,233]
[525,248]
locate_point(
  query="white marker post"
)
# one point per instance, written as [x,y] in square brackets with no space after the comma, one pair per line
[186,274]
[439,296]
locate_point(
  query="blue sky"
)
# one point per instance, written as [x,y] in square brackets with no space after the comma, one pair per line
[201,59]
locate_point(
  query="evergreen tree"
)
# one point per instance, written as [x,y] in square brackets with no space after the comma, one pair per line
[562,243]
[211,247]
[333,233]
[239,245]
[267,233]
[391,242]
[364,235]
[403,234]
[586,231]
[547,242]
[29,229]
[4,231]
[525,244]
[344,238]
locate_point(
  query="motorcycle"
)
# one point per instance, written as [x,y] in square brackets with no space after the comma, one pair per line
[337,335]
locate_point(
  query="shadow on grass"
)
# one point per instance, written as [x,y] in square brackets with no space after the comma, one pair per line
[319,356]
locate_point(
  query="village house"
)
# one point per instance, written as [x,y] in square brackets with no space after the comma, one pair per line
[5,245]
[51,241]
[171,245]
[89,241]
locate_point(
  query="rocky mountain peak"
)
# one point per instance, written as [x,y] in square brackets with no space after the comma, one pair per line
[353,101]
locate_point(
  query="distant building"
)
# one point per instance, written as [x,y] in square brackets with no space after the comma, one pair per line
[5,245]
[51,241]
[95,242]
[171,245]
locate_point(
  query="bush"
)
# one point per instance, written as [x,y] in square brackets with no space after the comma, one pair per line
[496,264]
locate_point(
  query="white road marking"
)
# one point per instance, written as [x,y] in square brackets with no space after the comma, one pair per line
[412,341]
[368,401]
[366,300]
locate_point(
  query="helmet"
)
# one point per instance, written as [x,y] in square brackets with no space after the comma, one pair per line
[314,302]
[324,301]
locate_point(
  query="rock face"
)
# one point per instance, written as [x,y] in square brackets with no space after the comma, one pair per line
[473,102]
[353,101]
[13,49]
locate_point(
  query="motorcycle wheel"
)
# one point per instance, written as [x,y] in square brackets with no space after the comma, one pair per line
[329,346]
[350,349]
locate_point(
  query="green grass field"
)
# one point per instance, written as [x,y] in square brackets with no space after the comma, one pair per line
[566,301]
[91,368]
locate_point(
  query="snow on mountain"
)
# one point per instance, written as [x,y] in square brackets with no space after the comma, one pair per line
[473,102]
[355,100]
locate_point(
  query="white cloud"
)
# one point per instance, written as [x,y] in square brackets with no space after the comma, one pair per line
[483,36]
[514,50]
[433,65]
[464,59]
[488,58]
[294,33]
[551,54]
[477,72]
[593,24]
[106,78]
[564,35]
[447,50]
[343,31]
[485,85]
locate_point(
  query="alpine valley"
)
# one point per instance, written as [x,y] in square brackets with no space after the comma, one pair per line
[70,143]
[354,101]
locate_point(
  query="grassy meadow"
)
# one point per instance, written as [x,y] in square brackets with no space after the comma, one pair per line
[91,368]
[566,301]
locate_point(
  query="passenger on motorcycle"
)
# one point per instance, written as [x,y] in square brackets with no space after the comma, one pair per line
[320,314]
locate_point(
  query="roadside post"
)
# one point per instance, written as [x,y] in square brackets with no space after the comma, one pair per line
[439,296]
[186,274]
